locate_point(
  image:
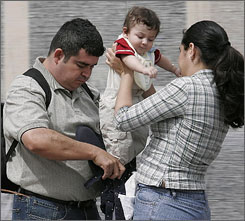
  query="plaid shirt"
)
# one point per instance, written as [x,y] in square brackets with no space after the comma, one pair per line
[187,125]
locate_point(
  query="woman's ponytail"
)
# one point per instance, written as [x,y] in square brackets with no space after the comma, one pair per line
[227,64]
[229,78]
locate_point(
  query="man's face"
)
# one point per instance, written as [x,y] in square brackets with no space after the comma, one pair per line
[76,71]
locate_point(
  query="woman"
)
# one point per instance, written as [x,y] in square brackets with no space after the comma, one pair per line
[189,120]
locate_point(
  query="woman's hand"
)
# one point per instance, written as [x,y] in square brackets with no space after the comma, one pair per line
[116,63]
[113,61]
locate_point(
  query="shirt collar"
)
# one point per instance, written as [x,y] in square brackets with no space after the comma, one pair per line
[206,71]
[48,76]
[51,80]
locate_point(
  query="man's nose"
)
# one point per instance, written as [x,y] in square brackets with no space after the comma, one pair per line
[86,71]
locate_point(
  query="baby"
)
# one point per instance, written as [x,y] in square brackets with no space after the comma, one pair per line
[135,48]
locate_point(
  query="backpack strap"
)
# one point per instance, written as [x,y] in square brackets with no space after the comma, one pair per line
[11,150]
[86,88]
[37,75]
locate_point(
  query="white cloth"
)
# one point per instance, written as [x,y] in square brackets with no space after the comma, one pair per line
[127,200]
[6,206]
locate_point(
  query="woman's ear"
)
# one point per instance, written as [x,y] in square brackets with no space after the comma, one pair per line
[192,51]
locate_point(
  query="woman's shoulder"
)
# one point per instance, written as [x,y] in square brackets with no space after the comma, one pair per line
[195,78]
[182,81]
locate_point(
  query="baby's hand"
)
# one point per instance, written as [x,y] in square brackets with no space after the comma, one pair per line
[151,71]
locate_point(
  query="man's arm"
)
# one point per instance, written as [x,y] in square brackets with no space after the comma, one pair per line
[52,145]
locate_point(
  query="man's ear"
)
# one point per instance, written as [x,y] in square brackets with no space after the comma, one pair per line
[58,55]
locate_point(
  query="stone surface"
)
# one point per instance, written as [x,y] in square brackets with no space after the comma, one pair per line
[225,178]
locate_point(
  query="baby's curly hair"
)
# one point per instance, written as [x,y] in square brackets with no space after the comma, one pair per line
[143,15]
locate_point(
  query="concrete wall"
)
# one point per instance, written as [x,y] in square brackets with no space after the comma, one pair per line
[28,26]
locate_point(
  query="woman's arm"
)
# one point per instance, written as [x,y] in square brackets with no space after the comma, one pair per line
[124,97]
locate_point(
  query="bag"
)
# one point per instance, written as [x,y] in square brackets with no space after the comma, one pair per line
[87,135]
[5,182]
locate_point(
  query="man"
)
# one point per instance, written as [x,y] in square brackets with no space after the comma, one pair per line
[50,166]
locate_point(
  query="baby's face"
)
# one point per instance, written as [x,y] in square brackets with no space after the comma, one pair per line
[141,37]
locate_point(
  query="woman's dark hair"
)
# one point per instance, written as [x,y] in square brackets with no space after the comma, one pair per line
[75,35]
[227,65]
[143,15]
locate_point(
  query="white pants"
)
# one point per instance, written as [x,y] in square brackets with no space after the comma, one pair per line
[124,145]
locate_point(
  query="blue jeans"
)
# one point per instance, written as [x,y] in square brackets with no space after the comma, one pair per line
[33,208]
[157,203]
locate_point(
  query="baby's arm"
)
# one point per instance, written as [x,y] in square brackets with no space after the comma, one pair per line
[134,64]
[166,64]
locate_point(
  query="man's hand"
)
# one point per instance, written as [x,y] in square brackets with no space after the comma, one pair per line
[111,166]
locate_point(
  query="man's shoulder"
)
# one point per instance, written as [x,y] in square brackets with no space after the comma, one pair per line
[26,84]
[21,80]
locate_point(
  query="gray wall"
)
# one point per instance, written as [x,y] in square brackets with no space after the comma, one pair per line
[108,18]
[27,28]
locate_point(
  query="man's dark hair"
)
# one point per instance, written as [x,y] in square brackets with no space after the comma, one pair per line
[75,35]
